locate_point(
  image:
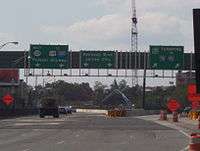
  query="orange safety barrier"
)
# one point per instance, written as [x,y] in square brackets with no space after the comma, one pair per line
[116,113]
[194,142]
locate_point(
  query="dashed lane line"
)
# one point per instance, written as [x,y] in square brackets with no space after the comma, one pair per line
[30,124]
[61,142]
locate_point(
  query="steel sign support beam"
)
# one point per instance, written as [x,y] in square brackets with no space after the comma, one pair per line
[196,23]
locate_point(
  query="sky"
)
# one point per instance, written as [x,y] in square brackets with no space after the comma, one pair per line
[96,24]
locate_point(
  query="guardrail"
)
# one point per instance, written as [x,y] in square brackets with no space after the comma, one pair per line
[17,113]
[92,111]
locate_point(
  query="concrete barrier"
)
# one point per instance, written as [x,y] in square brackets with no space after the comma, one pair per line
[134,112]
[92,111]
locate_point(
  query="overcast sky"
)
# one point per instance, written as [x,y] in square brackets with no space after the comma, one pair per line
[96,24]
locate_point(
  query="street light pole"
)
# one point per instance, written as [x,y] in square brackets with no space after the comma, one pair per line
[10,42]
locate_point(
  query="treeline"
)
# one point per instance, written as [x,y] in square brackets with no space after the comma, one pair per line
[82,93]
[87,95]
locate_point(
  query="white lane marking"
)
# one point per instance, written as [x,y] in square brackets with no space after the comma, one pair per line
[185,149]
[26,150]
[186,134]
[29,124]
[61,142]
[167,124]
[43,120]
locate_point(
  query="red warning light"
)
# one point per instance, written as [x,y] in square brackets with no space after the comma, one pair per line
[192,93]
[173,105]
[195,105]
[192,89]
[8,99]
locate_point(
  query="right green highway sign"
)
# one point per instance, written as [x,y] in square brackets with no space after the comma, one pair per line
[166,57]
[98,59]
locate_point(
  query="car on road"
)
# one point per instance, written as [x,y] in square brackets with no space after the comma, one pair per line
[186,110]
[69,109]
[62,110]
[65,110]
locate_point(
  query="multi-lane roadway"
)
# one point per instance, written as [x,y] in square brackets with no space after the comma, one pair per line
[88,132]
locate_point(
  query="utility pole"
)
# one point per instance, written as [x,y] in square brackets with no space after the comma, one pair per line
[144,81]
[134,44]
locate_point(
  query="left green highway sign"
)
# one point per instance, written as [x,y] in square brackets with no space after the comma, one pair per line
[49,56]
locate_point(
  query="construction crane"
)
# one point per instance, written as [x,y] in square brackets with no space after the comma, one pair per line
[134,44]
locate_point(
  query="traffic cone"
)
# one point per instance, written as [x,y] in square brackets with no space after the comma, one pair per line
[194,142]
[199,122]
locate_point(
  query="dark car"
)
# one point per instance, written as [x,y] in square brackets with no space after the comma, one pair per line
[62,110]
[69,110]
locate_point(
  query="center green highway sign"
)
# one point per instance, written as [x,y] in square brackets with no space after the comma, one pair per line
[98,59]
[166,57]
[49,56]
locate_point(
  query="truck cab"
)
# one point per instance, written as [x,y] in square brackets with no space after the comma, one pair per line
[49,107]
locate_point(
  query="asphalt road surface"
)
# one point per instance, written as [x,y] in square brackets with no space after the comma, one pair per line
[87,132]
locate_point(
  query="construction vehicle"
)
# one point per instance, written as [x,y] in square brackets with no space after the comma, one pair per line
[48,107]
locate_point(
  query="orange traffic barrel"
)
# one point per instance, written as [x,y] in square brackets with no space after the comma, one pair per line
[175,116]
[194,142]
[199,122]
[163,115]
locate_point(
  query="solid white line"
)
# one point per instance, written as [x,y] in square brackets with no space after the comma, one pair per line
[186,134]
[61,142]
[185,149]
[26,150]
[170,125]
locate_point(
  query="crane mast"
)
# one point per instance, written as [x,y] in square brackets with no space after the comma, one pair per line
[134,44]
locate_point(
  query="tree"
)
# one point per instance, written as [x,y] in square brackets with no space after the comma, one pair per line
[122,85]
[100,92]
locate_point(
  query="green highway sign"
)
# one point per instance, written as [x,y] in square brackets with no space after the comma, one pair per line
[98,59]
[49,56]
[166,57]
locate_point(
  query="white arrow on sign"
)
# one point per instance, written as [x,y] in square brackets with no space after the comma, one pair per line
[155,65]
[109,64]
[177,65]
[61,65]
[86,64]
[37,65]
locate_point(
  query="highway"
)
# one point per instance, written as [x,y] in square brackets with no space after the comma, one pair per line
[87,132]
